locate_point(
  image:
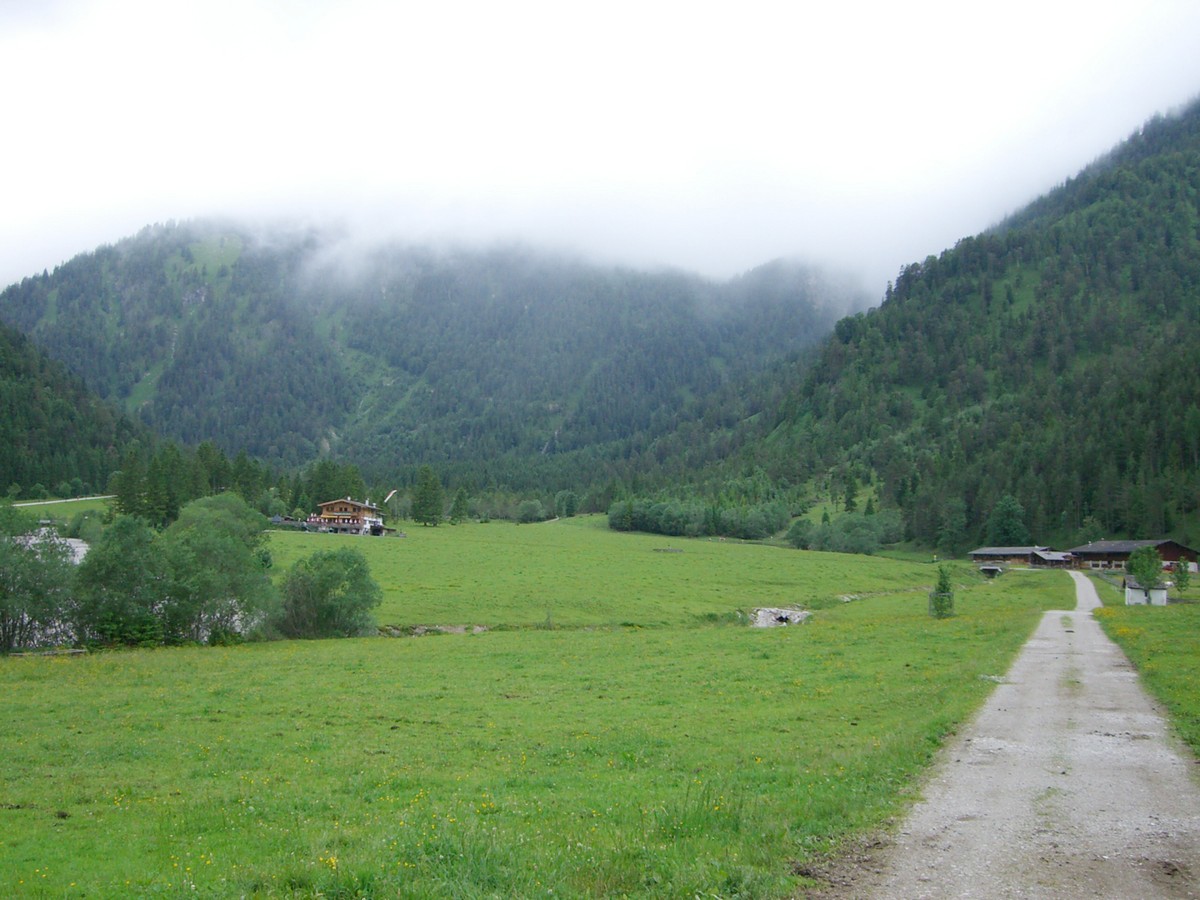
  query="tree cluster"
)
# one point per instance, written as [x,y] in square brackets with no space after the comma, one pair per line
[749,506]
[202,579]
[154,484]
[696,518]
[848,533]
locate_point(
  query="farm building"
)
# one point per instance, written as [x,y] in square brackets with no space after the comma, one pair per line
[1016,556]
[1052,559]
[1114,554]
[348,517]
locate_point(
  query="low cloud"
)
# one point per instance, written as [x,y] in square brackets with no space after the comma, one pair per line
[653,134]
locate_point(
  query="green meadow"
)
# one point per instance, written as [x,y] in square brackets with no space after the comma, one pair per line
[614,732]
[578,572]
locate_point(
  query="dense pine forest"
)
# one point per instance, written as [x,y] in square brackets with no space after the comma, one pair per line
[1047,365]
[55,436]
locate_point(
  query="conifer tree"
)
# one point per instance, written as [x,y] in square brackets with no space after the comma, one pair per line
[1006,525]
[427,498]
[458,509]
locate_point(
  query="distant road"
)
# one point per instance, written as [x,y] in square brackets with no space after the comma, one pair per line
[71,500]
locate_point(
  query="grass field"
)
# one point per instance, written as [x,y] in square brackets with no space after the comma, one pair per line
[695,757]
[578,572]
[63,510]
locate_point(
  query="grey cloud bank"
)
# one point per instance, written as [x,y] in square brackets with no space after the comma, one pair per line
[703,137]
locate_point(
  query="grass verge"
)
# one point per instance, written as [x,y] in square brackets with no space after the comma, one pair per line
[1163,643]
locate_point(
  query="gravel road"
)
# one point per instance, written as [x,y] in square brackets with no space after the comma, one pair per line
[1067,785]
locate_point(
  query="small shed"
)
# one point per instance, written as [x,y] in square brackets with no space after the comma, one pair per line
[1136,595]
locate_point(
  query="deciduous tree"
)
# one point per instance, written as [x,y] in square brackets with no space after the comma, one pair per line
[1145,567]
[35,575]
[119,587]
[216,587]
[1183,575]
[530,511]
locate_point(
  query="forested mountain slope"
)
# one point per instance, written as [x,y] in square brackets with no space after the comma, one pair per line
[53,432]
[502,367]
[1055,358]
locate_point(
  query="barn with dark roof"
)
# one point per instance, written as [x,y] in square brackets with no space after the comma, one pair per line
[1114,554]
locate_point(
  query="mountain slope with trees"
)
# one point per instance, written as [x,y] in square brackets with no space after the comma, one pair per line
[501,367]
[1052,358]
[55,436]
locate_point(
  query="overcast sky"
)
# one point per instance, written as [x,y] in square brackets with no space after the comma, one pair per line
[708,136]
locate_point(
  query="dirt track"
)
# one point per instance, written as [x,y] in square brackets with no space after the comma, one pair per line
[1066,785]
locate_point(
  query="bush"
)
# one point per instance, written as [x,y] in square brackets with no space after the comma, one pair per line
[800,535]
[531,511]
[329,594]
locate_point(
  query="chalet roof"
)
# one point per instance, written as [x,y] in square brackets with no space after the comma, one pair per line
[1053,555]
[1131,582]
[367,505]
[1006,551]
[1107,548]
